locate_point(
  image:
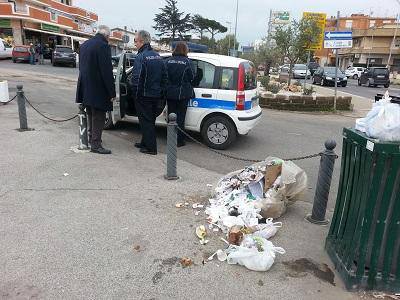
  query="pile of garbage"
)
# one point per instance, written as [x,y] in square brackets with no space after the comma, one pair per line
[382,122]
[244,206]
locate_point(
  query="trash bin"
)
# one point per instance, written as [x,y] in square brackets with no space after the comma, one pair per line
[364,237]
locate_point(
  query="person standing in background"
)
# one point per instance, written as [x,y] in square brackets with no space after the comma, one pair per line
[180,85]
[32,54]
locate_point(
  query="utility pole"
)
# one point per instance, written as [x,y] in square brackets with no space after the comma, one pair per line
[237,11]
[372,46]
[336,63]
[269,29]
[229,39]
[394,39]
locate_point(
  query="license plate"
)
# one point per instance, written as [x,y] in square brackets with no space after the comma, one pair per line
[380,76]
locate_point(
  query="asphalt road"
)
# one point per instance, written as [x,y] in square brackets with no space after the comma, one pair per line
[365,91]
[279,134]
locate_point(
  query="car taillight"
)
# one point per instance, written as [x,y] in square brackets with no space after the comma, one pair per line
[240,95]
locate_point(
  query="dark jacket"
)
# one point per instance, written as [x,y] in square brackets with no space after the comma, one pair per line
[149,76]
[96,85]
[181,74]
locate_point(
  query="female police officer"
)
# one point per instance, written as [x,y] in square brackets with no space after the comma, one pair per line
[179,89]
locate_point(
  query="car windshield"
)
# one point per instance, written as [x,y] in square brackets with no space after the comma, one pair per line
[64,49]
[331,71]
[381,71]
[300,67]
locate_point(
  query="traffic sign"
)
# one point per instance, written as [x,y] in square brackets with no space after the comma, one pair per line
[338,39]
[320,19]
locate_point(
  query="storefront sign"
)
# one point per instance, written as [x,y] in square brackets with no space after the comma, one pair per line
[5,23]
[48,27]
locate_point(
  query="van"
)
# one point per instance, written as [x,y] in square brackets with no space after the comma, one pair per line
[5,49]
[375,76]
[225,105]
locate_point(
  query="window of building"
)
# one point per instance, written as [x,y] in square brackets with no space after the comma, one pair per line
[53,16]
[356,42]
[349,24]
[397,43]
[387,22]
[372,23]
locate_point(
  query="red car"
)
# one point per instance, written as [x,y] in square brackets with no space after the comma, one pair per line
[20,53]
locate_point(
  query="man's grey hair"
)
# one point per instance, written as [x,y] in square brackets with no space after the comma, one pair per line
[104,30]
[145,36]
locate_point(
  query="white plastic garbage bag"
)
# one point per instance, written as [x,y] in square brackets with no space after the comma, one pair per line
[385,125]
[4,95]
[256,258]
[267,230]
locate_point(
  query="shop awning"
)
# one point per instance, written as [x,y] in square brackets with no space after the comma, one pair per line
[77,38]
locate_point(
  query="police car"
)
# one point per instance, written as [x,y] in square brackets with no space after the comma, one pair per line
[225,105]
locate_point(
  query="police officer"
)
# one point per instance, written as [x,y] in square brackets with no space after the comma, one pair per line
[180,85]
[148,82]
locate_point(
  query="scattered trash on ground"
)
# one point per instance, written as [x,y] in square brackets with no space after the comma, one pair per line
[384,296]
[243,207]
[76,149]
[136,248]
[66,174]
[186,262]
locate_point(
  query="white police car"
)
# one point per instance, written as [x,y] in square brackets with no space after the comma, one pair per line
[225,104]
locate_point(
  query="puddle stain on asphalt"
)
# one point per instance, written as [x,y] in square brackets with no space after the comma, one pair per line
[302,266]
[163,264]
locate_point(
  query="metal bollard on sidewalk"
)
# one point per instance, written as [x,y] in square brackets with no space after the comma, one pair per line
[172,148]
[83,132]
[23,121]
[324,181]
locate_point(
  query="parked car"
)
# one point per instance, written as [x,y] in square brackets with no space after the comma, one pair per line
[354,72]
[313,66]
[20,53]
[326,76]
[5,49]
[225,105]
[300,71]
[375,76]
[63,55]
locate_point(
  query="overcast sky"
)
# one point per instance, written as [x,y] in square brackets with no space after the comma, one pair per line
[253,14]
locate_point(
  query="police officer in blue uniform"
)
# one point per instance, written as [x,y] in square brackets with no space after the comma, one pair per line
[148,83]
[181,75]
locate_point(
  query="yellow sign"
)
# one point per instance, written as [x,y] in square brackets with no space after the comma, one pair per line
[320,19]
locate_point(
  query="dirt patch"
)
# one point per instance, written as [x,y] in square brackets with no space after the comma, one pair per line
[303,266]
[164,264]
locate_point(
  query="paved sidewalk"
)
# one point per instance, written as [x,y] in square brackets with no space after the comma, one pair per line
[109,228]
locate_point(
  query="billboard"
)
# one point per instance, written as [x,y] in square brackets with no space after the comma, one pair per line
[320,19]
[280,17]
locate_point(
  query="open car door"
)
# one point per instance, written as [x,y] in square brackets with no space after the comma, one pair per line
[121,90]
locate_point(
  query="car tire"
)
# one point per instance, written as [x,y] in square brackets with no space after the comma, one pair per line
[54,64]
[355,76]
[109,122]
[218,132]
[386,85]
[344,84]
[369,83]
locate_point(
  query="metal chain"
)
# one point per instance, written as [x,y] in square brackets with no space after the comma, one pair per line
[48,118]
[4,103]
[240,158]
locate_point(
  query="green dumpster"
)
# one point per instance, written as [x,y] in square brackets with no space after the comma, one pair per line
[364,237]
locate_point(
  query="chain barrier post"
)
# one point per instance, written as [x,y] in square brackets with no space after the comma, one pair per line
[324,181]
[83,132]
[23,122]
[172,149]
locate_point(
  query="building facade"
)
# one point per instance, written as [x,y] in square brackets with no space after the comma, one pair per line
[49,22]
[360,25]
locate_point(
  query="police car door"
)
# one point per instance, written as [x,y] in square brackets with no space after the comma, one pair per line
[120,89]
[206,92]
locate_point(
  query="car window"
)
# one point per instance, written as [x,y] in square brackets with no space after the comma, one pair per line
[64,49]
[205,73]
[381,71]
[360,69]
[250,76]
[227,79]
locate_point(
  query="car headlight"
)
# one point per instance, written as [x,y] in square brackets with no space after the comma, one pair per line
[345,78]
[328,78]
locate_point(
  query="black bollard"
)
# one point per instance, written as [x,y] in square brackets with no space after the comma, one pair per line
[23,121]
[172,148]
[324,181]
[83,134]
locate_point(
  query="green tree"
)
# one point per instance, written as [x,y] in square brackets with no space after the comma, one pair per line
[215,27]
[199,24]
[222,45]
[293,41]
[171,22]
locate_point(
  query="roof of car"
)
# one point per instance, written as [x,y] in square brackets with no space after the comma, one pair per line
[226,61]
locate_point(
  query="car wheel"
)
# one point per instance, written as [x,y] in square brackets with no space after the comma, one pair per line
[355,76]
[386,85]
[54,64]
[344,84]
[109,122]
[370,82]
[218,132]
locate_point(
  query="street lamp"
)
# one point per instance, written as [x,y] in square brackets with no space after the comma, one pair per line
[229,36]
[237,10]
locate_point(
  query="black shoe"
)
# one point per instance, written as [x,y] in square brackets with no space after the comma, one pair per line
[181,144]
[146,151]
[100,150]
[139,145]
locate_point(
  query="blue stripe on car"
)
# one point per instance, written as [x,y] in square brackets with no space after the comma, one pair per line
[216,103]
